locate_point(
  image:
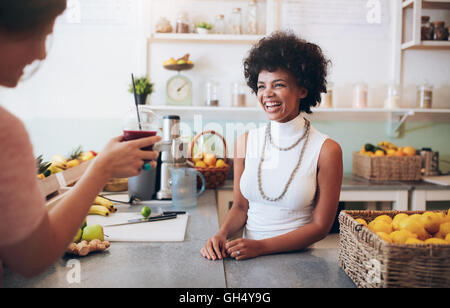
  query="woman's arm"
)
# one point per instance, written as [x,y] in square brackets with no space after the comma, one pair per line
[47,241]
[237,216]
[329,181]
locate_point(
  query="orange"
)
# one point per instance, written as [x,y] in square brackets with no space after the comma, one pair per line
[399,153]
[409,151]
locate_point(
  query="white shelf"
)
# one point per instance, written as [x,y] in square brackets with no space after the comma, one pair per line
[428,4]
[257,113]
[202,38]
[427,45]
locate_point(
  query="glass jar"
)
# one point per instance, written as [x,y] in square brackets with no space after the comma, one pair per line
[252,24]
[182,24]
[219,25]
[236,21]
[360,92]
[426,29]
[393,97]
[440,32]
[424,96]
[211,94]
[238,96]
[327,98]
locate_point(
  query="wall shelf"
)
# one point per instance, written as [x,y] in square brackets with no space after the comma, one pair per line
[204,38]
[426,45]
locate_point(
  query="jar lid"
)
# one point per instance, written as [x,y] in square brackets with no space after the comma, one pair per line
[425,18]
[438,23]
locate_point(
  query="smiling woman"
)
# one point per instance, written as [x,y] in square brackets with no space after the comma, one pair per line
[287,175]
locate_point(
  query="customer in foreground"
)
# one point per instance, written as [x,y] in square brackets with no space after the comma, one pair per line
[31,237]
[287,174]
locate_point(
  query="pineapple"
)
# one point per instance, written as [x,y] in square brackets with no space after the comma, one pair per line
[76,153]
[42,166]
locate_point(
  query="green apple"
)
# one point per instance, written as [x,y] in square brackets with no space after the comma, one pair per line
[77,237]
[93,232]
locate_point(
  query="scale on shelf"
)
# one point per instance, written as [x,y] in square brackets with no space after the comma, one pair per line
[179,87]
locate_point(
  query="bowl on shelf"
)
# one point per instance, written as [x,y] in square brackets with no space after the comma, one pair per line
[178,67]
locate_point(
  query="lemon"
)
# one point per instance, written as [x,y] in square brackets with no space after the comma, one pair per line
[444,229]
[390,152]
[438,241]
[400,237]
[409,151]
[447,238]
[380,226]
[385,218]
[431,222]
[397,219]
[361,221]
[200,164]
[379,153]
[414,241]
[415,227]
[220,163]
[384,236]
[416,217]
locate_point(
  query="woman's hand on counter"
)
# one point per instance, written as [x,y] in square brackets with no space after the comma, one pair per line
[242,249]
[214,248]
[126,159]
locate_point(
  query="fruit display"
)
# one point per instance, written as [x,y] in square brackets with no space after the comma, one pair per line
[417,229]
[385,148]
[59,163]
[179,64]
[102,206]
[208,160]
[88,239]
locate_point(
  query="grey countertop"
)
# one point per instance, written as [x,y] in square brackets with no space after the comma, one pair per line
[352,182]
[180,265]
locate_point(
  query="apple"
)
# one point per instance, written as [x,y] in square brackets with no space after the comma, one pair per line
[181,62]
[93,232]
[210,159]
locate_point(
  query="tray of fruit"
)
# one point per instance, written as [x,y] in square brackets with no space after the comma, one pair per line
[387,162]
[214,169]
[61,171]
[181,64]
[395,248]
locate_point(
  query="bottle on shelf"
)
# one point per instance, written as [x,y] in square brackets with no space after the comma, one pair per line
[236,21]
[424,96]
[440,32]
[251,20]
[360,94]
[219,24]
[327,98]
[393,97]
[426,29]
[182,24]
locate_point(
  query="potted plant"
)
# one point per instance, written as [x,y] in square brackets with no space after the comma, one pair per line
[203,27]
[143,88]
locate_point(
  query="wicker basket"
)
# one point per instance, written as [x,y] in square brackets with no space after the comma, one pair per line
[373,263]
[116,185]
[387,168]
[214,177]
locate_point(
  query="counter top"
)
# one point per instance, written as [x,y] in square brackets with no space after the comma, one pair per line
[180,265]
[352,182]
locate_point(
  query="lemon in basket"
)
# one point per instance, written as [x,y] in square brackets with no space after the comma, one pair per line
[437,241]
[414,241]
[384,236]
[397,219]
[447,238]
[385,218]
[220,163]
[361,221]
[444,229]
[414,226]
[400,237]
[431,222]
[200,164]
[380,226]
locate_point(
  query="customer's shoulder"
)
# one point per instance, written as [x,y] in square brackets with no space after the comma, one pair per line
[12,129]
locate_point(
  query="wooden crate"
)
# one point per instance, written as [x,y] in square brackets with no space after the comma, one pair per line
[387,168]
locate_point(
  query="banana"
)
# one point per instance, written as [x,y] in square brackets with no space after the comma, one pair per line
[104,202]
[99,210]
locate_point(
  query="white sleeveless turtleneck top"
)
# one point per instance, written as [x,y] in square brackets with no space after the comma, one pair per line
[267,219]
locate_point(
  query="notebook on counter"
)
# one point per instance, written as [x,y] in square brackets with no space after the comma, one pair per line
[439,180]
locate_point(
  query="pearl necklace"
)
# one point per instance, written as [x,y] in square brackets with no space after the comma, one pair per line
[268,135]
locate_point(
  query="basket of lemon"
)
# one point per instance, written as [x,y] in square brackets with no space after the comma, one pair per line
[389,249]
[214,169]
[387,162]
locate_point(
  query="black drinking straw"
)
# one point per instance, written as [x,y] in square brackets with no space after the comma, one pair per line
[136,102]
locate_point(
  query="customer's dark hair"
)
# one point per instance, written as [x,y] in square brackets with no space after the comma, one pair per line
[24,16]
[284,50]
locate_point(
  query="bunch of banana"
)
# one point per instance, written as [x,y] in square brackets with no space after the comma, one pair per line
[102,206]
[386,145]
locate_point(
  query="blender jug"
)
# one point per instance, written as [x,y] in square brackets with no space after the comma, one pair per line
[184,187]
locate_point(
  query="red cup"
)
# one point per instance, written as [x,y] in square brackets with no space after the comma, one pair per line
[138,134]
